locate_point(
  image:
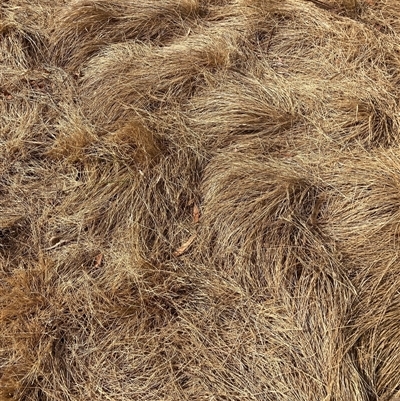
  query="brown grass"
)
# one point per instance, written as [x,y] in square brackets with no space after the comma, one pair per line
[199,200]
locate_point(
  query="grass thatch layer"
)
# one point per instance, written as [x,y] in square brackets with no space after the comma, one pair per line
[199,200]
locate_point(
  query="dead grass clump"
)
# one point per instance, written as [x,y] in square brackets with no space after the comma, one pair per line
[83,28]
[219,112]
[130,76]
[199,200]
[23,37]
[281,221]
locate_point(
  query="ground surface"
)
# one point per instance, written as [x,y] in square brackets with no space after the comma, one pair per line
[199,200]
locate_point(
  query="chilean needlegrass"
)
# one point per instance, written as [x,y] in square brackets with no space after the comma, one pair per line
[199,200]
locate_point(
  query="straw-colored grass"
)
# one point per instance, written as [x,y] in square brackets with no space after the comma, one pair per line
[200,200]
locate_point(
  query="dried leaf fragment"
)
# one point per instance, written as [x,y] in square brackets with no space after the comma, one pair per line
[196,214]
[98,259]
[185,246]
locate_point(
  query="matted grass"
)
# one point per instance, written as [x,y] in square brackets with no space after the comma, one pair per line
[199,200]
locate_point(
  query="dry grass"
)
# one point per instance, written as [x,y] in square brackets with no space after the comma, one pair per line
[200,200]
